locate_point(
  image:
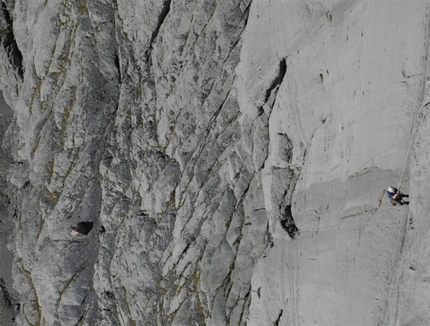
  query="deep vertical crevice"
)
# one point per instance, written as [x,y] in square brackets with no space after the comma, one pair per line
[161,18]
[279,317]
[274,86]
[163,14]
[118,67]
[8,42]
[288,223]
[278,80]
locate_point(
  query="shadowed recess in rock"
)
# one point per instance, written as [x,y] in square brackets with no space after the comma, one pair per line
[9,305]
[81,229]
[279,317]
[9,43]
[287,222]
[163,14]
[275,83]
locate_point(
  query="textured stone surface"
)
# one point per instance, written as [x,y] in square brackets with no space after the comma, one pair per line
[8,297]
[231,155]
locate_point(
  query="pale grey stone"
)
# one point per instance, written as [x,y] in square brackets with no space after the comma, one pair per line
[232,156]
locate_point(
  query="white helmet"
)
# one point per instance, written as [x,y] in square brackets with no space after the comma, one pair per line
[392,189]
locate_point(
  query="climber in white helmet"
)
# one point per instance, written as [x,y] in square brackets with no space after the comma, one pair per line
[396,197]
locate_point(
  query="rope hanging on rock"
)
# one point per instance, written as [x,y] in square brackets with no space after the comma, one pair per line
[410,143]
[386,149]
[411,139]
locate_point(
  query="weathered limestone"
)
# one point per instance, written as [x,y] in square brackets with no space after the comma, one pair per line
[8,296]
[231,156]
[346,105]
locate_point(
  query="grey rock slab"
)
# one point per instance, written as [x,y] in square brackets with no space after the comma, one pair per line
[8,296]
[232,157]
[349,143]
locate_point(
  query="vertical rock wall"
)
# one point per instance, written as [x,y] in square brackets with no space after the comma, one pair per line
[232,156]
[8,297]
[348,106]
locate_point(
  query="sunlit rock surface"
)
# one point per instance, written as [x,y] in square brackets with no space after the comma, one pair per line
[231,155]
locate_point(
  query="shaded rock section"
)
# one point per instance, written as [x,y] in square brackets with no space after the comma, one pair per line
[178,130]
[287,222]
[81,229]
[9,300]
[275,83]
[7,40]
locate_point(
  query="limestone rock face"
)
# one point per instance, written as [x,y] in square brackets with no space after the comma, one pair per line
[232,157]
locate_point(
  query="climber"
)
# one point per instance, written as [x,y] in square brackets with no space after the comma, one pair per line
[396,197]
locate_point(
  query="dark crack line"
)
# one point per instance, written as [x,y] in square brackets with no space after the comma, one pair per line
[161,18]
[7,297]
[202,31]
[288,223]
[279,318]
[9,42]
[275,83]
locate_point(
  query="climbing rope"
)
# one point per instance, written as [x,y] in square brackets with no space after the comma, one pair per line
[411,139]
[410,143]
[371,159]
